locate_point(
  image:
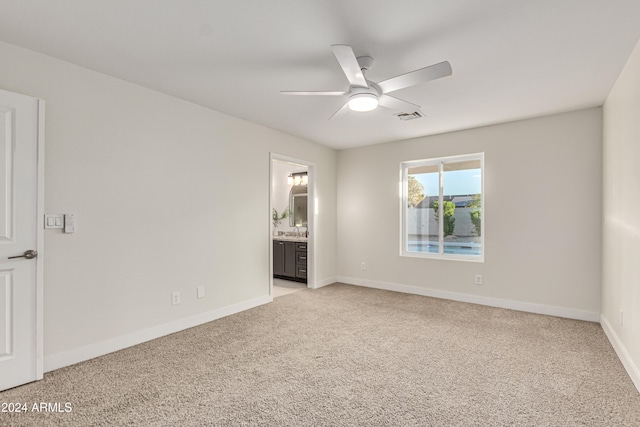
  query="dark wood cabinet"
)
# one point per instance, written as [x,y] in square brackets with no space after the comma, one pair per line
[284,254]
[301,261]
[278,258]
[290,260]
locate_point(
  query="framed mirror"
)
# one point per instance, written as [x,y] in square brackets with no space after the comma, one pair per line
[298,206]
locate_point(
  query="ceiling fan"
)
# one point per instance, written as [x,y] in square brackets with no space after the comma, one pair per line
[365,95]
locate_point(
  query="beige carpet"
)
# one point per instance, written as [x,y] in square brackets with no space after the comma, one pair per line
[349,356]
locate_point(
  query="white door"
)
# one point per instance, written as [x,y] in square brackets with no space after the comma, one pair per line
[19,291]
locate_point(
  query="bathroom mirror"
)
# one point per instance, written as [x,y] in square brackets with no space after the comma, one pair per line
[298,206]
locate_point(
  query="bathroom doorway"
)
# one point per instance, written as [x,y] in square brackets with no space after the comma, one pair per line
[291,225]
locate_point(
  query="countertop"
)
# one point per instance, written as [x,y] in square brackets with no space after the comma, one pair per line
[290,238]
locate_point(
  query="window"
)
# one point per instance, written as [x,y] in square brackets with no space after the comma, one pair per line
[442,215]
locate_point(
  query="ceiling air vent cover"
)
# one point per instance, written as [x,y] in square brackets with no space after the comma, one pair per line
[409,116]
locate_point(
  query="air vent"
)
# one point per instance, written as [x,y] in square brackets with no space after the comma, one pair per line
[409,116]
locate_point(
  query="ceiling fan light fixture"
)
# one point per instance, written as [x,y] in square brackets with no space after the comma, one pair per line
[365,95]
[363,102]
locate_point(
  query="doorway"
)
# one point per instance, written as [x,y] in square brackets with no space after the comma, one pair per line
[292,225]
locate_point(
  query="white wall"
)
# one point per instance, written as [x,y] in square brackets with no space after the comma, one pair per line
[167,195]
[542,216]
[621,216]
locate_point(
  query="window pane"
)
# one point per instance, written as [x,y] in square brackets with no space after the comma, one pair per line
[422,190]
[442,208]
[461,208]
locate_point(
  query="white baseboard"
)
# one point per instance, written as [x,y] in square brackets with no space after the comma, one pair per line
[91,351]
[325,282]
[475,299]
[621,351]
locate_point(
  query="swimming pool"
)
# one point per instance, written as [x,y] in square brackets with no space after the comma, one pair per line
[457,248]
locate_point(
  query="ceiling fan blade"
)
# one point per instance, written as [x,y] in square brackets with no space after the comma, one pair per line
[412,78]
[334,93]
[397,104]
[349,63]
[340,112]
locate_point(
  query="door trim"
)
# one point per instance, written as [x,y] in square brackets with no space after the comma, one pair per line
[40,245]
[311,219]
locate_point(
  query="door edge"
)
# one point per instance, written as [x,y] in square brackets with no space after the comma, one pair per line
[40,244]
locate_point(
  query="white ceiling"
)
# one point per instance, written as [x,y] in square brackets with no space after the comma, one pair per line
[511,59]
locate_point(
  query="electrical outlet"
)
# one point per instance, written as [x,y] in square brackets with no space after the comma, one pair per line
[200,292]
[175,298]
[363,266]
[478,279]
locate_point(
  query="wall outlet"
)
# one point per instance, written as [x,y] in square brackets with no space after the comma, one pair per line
[200,292]
[363,266]
[175,298]
[478,279]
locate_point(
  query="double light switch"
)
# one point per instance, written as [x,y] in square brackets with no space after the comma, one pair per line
[67,222]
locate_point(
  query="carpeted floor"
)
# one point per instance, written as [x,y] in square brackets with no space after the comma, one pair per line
[349,356]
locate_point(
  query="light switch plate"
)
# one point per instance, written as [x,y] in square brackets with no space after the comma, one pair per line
[53,221]
[69,223]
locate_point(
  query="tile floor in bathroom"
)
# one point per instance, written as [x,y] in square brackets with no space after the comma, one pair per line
[285,287]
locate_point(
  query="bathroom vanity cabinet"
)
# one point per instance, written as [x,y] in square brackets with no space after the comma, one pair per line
[290,260]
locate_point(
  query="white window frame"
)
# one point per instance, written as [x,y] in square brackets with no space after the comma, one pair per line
[440,161]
